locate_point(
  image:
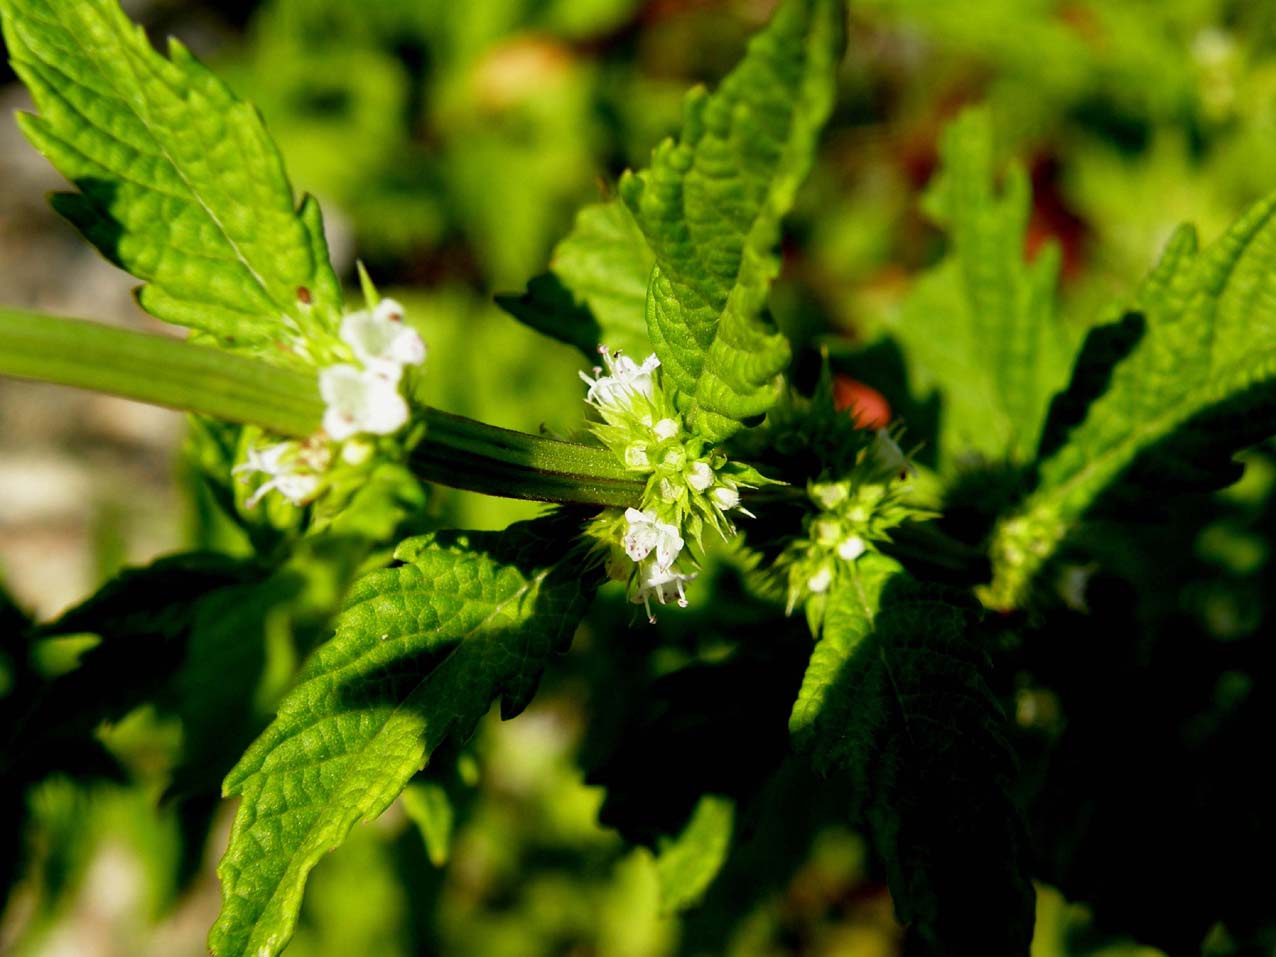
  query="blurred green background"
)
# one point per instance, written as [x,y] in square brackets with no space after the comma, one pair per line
[450,144]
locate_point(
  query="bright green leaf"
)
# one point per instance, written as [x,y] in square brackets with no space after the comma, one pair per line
[688,863]
[420,653]
[1194,383]
[178,181]
[895,696]
[428,805]
[710,206]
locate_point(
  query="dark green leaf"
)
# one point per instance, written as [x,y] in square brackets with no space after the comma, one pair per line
[895,695]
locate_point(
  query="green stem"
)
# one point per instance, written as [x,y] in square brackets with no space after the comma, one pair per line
[158,370]
[456,451]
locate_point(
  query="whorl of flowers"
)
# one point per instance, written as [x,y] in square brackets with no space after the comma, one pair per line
[690,486]
[849,517]
[362,397]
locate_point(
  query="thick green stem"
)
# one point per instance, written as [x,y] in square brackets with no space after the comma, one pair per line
[456,451]
[158,370]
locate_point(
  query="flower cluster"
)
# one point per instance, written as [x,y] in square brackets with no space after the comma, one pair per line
[690,487]
[850,516]
[361,397]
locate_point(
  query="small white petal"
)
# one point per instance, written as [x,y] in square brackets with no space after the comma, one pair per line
[725,498]
[636,456]
[383,344]
[851,549]
[359,400]
[389,310]
[647,534]
[623,382]
[820,581]
[662,584]
[288,471]
[298,489]
[700,476]
[666,429]
[829,495]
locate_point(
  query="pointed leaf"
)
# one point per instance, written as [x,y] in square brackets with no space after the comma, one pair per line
[1193,383]
[895,695]
[596,291]
[420,653]
[178,181]
[688,863]
[982,328]
[428,806]
[710,206]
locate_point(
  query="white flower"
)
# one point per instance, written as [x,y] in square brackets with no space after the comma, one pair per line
[624,380]
[381,341]
[700,476]
[826,531]
[851,548]
[830,494]
[360,400]
[666,428]
[647,534]
[663,583]
[636,456]
[820,581]
[280,462]
[725,497]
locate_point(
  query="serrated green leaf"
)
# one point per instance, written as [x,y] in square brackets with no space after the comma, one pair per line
[596,290]
[420,653]
[895,695]
[982,328]
[710,206]
[688,863]
[178,181]
[1198,385]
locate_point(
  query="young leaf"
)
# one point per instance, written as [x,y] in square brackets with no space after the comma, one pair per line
[420,653]
[596,290]
[981,328]
[710,207]
[895,695]
[1200,380]
[428,806]
[688,863]
[178,181]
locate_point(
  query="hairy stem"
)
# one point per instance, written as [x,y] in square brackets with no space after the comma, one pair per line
[156,369]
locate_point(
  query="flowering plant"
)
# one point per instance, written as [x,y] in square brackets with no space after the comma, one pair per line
[330,652]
